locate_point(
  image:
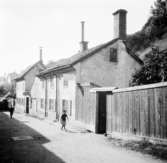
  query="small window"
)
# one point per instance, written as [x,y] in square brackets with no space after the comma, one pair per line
[113,55]
[42,103]
[51,104]
[70,107]
[65,105]
[65,83]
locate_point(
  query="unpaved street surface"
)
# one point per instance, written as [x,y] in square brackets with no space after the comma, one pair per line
[25,139]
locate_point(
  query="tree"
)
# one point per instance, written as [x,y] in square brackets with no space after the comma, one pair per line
[3,90]
[159,9]
[158,21]
[154,69]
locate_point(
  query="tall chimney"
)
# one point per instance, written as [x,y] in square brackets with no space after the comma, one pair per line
[40,54]
[83,44]
[120,24]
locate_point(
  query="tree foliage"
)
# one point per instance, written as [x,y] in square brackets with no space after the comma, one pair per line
[154,28]
[153,71]
[159,18]
[3,90]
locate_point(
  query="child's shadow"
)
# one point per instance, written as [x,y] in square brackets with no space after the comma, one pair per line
[71,131]
[74,132]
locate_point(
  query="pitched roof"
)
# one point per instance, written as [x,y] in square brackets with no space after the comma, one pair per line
[68,62]
[25,71]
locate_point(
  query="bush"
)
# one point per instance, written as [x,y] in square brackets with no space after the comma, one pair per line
[153,71]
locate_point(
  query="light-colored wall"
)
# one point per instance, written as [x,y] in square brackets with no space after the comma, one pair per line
[51,88]
[51,95]
[126,67]
[99,70]
[20,89]
[28,81]
[30,77]
[67,93]
[37,93]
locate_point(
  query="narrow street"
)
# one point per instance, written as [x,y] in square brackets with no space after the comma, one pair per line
[25,139]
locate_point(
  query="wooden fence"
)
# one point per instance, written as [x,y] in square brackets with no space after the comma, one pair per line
[140,110]
[85,105]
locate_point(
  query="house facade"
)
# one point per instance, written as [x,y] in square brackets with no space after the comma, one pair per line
[24,83]
[66,84]
[38,98]
[59,92]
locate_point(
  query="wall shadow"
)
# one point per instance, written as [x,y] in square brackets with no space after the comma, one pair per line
[23,151]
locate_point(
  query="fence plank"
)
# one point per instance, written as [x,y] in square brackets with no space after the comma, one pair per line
[142,110]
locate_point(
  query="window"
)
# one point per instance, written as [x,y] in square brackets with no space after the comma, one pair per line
[113,55]
[70,107]
[67,105]
[42,103]
[51,104]
[65,83]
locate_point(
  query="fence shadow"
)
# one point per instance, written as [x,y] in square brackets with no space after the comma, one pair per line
[29,150]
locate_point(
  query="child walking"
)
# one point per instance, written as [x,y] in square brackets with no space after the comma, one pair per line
[63,119]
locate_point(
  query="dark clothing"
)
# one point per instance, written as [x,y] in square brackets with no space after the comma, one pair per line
[5,104]
[11,105]
[63,120]
[63,117]
[11,112]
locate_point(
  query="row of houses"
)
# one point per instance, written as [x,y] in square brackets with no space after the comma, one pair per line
[46,90]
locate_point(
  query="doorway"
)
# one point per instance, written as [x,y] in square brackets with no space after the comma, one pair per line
[101,113]
[27,105]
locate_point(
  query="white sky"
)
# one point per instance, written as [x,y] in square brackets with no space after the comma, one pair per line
[25,25]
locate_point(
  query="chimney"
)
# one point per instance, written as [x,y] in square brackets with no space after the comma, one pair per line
[83,44]
[40,54]
[120,24]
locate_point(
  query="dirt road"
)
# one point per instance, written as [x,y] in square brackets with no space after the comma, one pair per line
[29,140]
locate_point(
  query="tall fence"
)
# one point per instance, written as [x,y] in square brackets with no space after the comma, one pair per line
[140,110]
[85,105]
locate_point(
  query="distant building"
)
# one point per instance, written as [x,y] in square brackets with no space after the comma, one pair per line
[24,84]
[11,80]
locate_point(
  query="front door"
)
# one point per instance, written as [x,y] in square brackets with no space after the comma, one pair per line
[27,105]
[101,113]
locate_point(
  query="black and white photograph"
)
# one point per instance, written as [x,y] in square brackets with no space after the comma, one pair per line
[83,81]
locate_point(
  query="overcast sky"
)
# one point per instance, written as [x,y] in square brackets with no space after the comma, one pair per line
[25,25]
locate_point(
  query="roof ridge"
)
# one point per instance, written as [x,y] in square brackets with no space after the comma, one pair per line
[27,69]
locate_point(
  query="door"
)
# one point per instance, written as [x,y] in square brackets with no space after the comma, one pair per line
[27,105]
[101,113]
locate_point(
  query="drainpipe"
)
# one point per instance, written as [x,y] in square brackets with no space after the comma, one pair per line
[46,96]
[57,98]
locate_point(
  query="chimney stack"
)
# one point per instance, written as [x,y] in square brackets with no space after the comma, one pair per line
[120,24]
[83,44]
[40,54]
